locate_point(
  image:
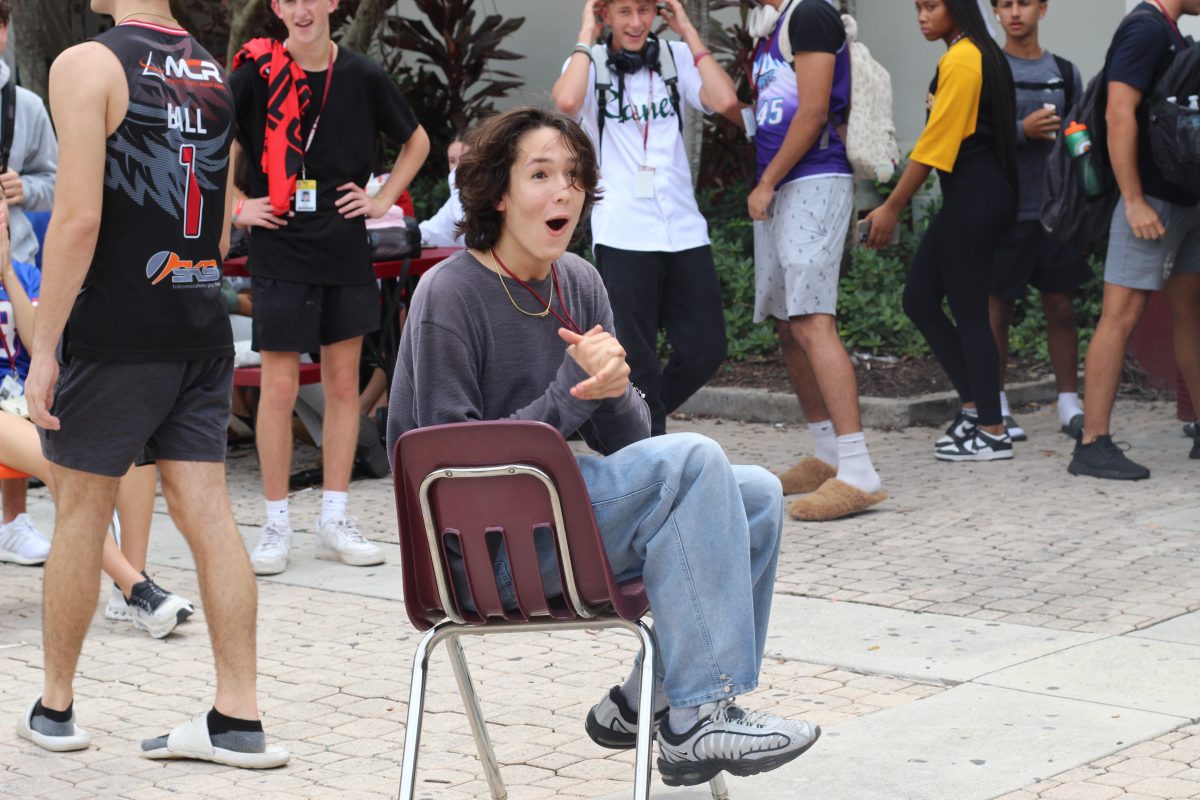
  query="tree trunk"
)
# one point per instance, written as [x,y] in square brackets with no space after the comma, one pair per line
[366,22]
[698,12]
[41,31]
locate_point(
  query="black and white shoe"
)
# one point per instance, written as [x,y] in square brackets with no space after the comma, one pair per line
[729,738]
[155,610]
[612,723]
[1014,430]
[961,428]
[979,446]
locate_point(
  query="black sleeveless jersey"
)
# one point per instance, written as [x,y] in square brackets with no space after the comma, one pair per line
[152,292]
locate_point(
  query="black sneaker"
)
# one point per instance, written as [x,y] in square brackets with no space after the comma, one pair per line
[1015,431]
[979,446]
[155,610]
[1195,443]
[1103,458]
[1190,430]
[961,428]
[613,724]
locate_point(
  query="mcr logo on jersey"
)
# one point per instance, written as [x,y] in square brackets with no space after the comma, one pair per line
[184,273]
[187,70]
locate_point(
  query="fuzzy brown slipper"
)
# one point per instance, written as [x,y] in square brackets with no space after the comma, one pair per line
[833,500]
[806,476]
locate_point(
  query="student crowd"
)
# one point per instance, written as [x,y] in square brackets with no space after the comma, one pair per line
[513,326]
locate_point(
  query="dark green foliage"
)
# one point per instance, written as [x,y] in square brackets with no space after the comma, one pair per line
[451,83]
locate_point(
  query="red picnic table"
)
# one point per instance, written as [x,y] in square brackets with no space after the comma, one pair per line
[394,279]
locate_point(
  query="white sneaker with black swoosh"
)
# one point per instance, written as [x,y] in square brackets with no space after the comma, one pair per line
[729,738]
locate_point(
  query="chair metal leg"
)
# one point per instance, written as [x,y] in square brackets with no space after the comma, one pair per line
[416,707]
[641,770]
[116,528]
[483,742]
[717,787]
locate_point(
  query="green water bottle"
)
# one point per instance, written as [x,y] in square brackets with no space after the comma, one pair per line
[1079,146]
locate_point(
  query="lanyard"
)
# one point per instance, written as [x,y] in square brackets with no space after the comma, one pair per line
[317,120]
[633,111]
[568,323]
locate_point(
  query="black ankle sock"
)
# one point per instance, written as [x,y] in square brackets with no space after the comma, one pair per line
[40,710]
[218,723]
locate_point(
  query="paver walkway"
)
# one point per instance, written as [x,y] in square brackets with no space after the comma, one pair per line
[993,630]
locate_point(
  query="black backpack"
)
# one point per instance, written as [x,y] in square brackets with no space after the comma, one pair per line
[1175,128]
[1068,215]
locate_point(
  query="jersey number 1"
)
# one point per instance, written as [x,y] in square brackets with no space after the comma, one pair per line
[193,202]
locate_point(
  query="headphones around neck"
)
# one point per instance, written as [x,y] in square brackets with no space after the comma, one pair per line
[625,62]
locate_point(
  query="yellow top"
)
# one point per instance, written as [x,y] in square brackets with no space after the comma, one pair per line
[955,112]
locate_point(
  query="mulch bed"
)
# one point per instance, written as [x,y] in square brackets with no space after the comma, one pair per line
[877,377]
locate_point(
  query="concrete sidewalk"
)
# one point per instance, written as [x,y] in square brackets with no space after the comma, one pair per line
[997,630]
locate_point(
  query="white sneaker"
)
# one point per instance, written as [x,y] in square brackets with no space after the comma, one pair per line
[339,540]
[117,608]
[22,543]
[270,556]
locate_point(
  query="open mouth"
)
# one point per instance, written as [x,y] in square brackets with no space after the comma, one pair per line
[557,225]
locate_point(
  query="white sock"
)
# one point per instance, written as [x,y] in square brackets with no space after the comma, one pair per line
[824,442]
[1005,411]
[333,505]
[632,688]
[854,463]
[683,719]
[1068,406]
[970,412]
[277,511]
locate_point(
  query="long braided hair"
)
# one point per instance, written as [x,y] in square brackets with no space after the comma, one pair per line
[997,76]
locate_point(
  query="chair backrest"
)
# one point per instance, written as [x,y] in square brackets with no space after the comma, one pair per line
[469,491]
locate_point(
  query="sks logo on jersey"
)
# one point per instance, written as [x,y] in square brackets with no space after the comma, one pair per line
[184,273]
[186,70]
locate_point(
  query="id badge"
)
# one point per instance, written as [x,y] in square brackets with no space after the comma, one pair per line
[10,388]
[306,195]
[643,183]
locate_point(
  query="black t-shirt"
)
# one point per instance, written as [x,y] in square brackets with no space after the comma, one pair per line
[322,247]
[1143,48]
[816,27]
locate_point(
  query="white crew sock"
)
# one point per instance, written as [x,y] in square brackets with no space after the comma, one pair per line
[333,505]
[1068,406]
[1005,411]
[277,511]
[683,720]
[824,442]
[970,412]
[854,463]
[632,687]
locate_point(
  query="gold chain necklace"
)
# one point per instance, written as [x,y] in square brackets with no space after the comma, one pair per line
[511,299]
[148,14]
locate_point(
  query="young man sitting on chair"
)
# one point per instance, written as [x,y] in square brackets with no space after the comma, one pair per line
[515,327]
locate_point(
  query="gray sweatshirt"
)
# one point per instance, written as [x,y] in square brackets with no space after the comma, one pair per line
[34,157]
[1038,82]
[468,354]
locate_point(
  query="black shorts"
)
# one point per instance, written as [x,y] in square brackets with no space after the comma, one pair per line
[118,413]
[1027,256]
[300,317]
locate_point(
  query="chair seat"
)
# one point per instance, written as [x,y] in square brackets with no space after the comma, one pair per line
[7,473]
[252,376]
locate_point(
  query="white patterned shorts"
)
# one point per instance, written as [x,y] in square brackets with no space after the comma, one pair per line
[798,251]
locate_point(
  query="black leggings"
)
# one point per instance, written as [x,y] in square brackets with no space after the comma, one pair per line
[680,293]
[954,261]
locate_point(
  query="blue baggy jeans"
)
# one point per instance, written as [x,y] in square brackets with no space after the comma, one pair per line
[704,535]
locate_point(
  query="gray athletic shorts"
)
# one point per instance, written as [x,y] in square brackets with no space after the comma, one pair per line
[798,251]
[117,413]
[1144,264]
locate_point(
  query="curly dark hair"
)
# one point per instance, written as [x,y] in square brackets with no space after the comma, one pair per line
[484,173]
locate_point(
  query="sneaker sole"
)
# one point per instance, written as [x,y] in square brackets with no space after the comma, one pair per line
[993,456]
[122,614]
[1103,474]
[10,557]
[159,629]
[329,554]
[269,567]
[607,737]
[694,773]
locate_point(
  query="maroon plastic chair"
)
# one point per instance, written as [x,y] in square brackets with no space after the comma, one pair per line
[467,492]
